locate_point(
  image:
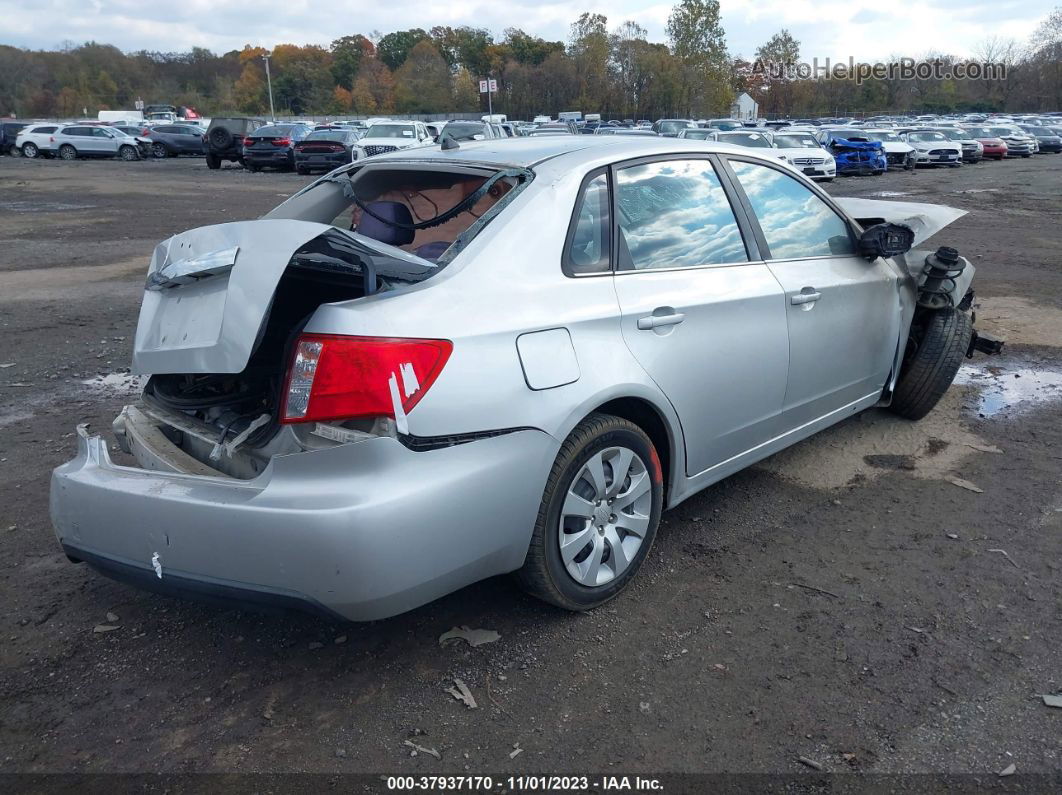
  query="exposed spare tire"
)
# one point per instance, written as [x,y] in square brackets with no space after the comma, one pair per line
[220,137]
[941,341]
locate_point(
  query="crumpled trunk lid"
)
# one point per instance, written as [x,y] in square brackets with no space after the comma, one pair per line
[209,290]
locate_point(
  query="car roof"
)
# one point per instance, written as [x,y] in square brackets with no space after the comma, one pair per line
[531,151]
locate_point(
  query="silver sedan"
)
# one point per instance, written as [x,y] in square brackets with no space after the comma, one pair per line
[434,366]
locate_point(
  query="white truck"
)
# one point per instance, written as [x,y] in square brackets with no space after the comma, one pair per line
[112,116]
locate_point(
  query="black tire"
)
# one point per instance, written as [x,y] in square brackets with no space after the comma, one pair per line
[220,138]
[544,574]
[942,342]
[301,171]
[213,161]
[252,167]
[128,153]
[67,152]
[159,151]
[29,149]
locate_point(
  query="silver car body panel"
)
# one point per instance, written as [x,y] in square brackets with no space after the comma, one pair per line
[534,352]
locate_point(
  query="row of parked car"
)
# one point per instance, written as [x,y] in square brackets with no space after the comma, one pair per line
[821,149]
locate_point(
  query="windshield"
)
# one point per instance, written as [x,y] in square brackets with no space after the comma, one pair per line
[754,140]
[795,141]
[927,136]
[980,132]
[390,131]
[954,135]
[848,133]
[1001,131]
[725,124]
[699,135]
[882,136]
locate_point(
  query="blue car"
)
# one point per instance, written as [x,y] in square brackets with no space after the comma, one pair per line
[858,156]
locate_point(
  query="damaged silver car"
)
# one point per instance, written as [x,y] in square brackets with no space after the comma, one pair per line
[434,366]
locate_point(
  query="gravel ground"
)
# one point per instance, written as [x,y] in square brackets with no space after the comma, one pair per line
[843,601]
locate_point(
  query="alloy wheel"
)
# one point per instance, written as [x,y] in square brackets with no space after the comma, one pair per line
[605,516]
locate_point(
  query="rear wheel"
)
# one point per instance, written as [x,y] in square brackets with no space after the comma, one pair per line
[301,170]
[939,345]
[213,161]
[29,149]
[67,152]
[598,515]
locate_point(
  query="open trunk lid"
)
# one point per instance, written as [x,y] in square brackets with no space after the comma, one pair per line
[209,290]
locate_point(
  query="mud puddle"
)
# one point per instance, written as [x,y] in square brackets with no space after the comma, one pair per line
[1005,390]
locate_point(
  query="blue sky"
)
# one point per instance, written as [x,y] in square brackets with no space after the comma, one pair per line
[868,30]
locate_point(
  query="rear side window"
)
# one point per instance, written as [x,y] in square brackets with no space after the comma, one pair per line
[588,249]
[43,130]
[795,222]
[675,214]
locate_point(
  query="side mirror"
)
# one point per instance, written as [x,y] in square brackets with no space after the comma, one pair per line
[886,240]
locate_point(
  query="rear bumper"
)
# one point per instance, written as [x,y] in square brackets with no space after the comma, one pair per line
[329,160]
[362,531]
[279,157]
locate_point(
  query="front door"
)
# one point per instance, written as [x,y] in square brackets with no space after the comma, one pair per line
[705,322]
[843,310]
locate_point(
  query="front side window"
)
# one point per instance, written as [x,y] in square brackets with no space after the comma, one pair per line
[675,214]
[588,242]
[795,222]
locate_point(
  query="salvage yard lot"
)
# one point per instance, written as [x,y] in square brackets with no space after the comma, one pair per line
[846,601]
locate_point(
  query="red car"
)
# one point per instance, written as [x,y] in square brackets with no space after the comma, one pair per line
[995,147]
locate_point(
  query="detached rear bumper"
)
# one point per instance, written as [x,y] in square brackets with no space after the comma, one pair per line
[361,531]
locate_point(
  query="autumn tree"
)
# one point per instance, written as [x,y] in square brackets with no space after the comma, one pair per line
[776,63]
[589,50]
[697,38]
[374,88]
[347,54]
[422,82]
[394,48]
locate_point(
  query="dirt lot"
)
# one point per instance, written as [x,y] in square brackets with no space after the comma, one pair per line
[843,601]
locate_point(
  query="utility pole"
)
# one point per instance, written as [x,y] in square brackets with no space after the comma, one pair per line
[269,82]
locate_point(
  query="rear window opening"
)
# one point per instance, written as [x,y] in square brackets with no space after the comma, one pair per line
[429,210]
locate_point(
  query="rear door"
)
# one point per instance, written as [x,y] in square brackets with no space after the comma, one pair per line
[700,312]
[843,311]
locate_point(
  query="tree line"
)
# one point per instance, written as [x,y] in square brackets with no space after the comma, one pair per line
[616,71]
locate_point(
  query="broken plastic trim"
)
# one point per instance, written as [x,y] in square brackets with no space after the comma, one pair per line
[423,444]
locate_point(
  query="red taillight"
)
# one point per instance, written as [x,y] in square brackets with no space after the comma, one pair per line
[281,142]
[147,130]
[248,141]
[333,377]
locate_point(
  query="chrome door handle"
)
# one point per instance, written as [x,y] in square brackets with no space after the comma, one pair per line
[655,321]
[805,298]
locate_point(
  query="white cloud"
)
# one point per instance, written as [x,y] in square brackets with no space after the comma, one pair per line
[868,30]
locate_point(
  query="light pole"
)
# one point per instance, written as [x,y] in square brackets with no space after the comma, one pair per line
[269,82]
